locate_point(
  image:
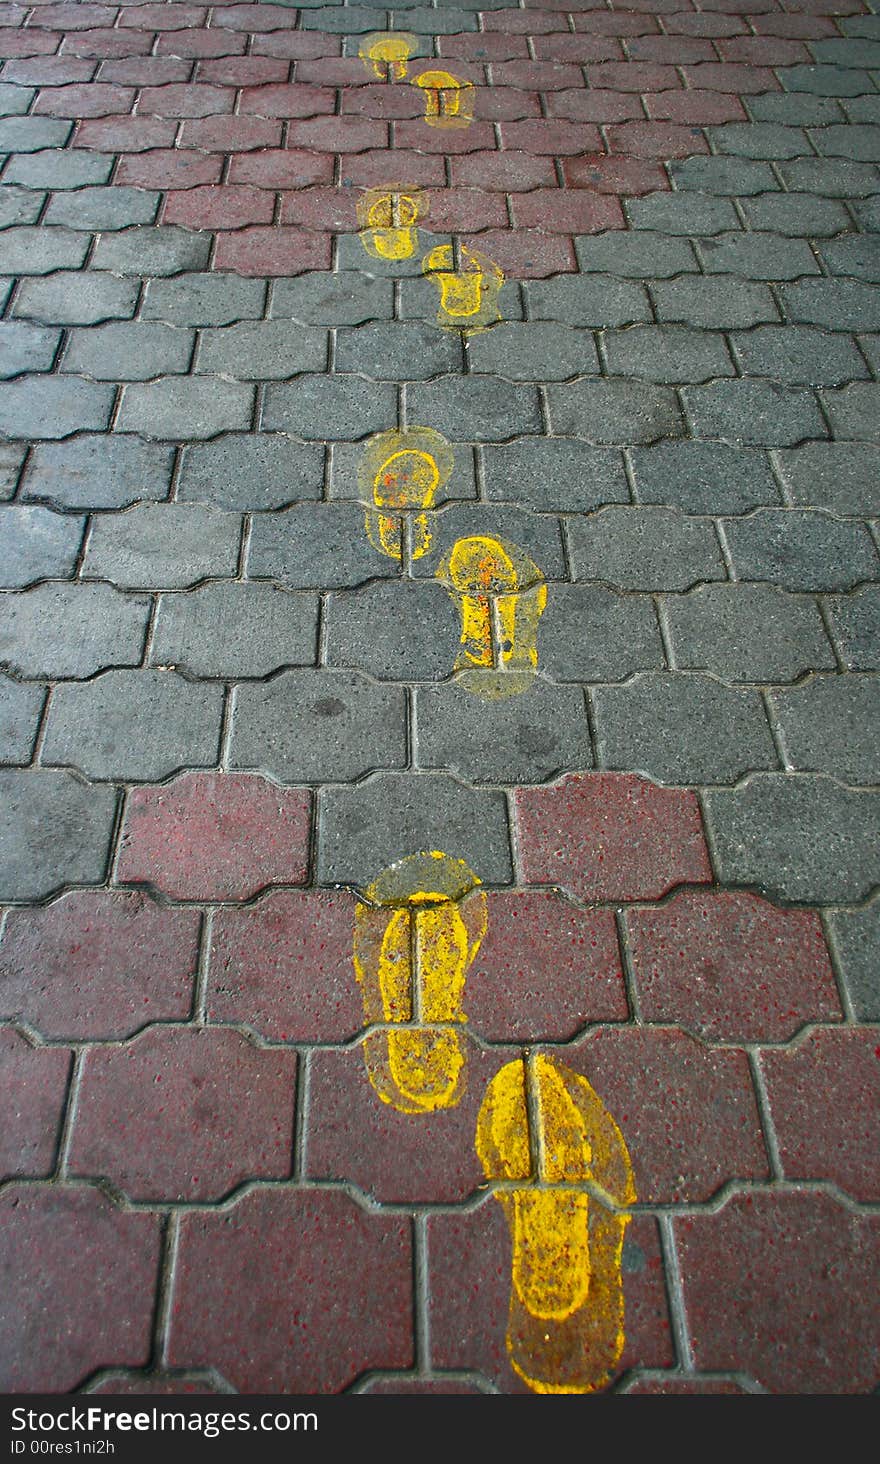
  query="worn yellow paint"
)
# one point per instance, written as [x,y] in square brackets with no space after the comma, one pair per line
[469,293]
[400,474]
[501,596]
[386,53]
[388,218]
[417,931]
[545,1132]
[448,101]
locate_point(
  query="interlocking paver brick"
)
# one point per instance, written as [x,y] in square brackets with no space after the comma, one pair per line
[855,624]
[103,1306]
[262,350]
[797,214]
[21,708]
[703,477]
[150,250]
[757,413]
[667,353]
[219,207]
[39,251]
[388,352]
[315,546]
[32,134]
[588,300]
[94,471]
[855,941]
[233,630]
[713,303]
[127,352]
[534,351]
[162,545]
[801,550]
[102,208]
[828,725]
[70,298]
[731,967]
[26,348]
[834,176]
[203,299]
[313,1237]
[610,836]
[558,211]
[854,410]
[160,167]
[786,1260]
[725,175]
[33,1089]
[555,474]
[798,355]
[770,140]
[797,109]
[60,630]
[614,411]
[346,458]
[836,304]
[479,408]
[747,633]
[644,548]
[861,142]
[686,213]
[525,738]
[641,253]
[172,407]
[98,965]
[125,134]
[54,830]
[393,630]
[253,471]
[347,297]
[588,633]
[319,408]
[37,544]
[50,407]
[20,205]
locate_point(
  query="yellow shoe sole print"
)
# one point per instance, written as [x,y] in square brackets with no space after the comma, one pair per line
[448,101]
[400,474]
[468,293]
[501,596]
[416,934]
[388,218]
[386,53]
[544,1125]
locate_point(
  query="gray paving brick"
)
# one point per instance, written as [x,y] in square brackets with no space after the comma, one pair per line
[348,297]
[346,458]
[316,546]
[855,941]
[102,208]
[843,477]
[681,213]
[39,251]
[737,177]
[703,477]
[857,256]
[76,298]
[427,21]
[588,300]
[15,100]
[535,534]
[854,410]
[644,549]
[251,471]
[204,299]
[713,304]
[829,725]
[666,353]
[609,412]
[524,738]
[47,407]
[859,141]
[71,630]
[262,350]
[858,53]
[97,471]
[770,140]
[835,177]
[162,546]
[12,455]
[54,169]
[641,253]
[801,838]
[127,352]
[327,408]
[393,630]
[313,726]
[532,351]
[134,726]
[757,413]
[30,134]
[798,355]
[554,474]
[361,830]
[417,298]
[802,215]
[148,250]
[37,544]
[682,729]
[54,831]
[795,109]
[588,633]
[26,347]
[396,351]
[747,633]
[21,707]
[855,625]
[342,20]
[186,407]
[837,304]
[825,81]
[757,256]
[475,408]
[235,631]
[801,550]
[861,109]
[19,205]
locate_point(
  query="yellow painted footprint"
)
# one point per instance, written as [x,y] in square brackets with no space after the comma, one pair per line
[388,218]
[400,474]
[501,596]
[545,1126]
[416,933]
[386,53]
[469,293]
[448,101]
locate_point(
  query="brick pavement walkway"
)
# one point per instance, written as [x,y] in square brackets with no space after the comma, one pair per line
[439,582]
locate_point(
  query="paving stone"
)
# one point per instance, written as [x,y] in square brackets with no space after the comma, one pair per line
[315,546]
[666,353]
[713,303]
[71,630]
[850,140]
[475,408]
[133,726]
[588,300]
[363,829]
[854,410]
[344,298]
[724,175]
[610,836]
[283,967]
[57,169]
[185,408]
[747,633]
[836,304]
[554,474]
[523,738]
[703,477]
[795,109]
[834,176]
[866,212]
[768,140]
[182,1113]
[54,830]
[534,352]
[757,256]
[855,940]
[686,213]
[592,634]
[757,413]
[826,81]
[798,355]
[390,352]
[98,965]
[619,411]
[37,544]
[148,250]
[30,134]
[103,1305]
[252,472]
[39,251]
[15,100]
[730,967]
[102,208]
[232,630]
[828,725]
[262,350]
[26,348]
[162,546]
[203,299]
[322,408]
[12,455]
[50,407]
[793,1264]
[19,205]
[640,253]
[76,298]
[801,838]
[855,624]
[128,352]
[857,256]
[801,550]
[644,548]
[313,1236]
[33,1090]
[393,630]
[97,471]
[802,215]
[311,726]
[20,710]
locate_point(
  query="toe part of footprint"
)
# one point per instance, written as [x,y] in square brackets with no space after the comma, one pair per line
[400,474]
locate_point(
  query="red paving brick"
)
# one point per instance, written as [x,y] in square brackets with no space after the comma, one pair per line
[33,1089]
[262,250]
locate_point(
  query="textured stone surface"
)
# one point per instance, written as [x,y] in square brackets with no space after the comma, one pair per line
[71,630]
[92,471]
[33,1089]
[54,830]
[235,630]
